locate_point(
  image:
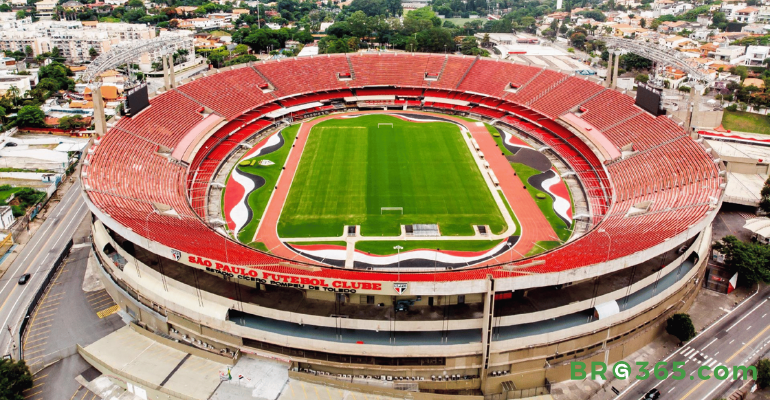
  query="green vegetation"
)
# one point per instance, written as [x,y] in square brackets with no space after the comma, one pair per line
[680,325]
[384,248]
[542,246]
[746,122]
[750,260]
[259,198]
[510,211]
[27,197]
[763,373]
[6,191]
[332,243]
[350,168]
[260,246]
[544,202]
[30,116]
[15,378]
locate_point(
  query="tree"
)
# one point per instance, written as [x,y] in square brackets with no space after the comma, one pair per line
[749,260]
[680,325]
[643,78]
[92,52]
[28,51]
[14,379]
[643,23]
[30,116]
[763,373]
[75,122]
[2,113]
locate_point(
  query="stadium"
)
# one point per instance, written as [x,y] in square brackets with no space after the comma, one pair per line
[438,224]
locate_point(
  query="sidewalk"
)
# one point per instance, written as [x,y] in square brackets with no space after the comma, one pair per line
[35,224]
[708,307]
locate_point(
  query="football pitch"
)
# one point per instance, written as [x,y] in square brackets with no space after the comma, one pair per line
[351,168]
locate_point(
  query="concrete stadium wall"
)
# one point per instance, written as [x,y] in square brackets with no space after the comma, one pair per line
[169,304]
[471,286]
[373,325]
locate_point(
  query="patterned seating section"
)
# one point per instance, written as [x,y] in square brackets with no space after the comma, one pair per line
[129,177]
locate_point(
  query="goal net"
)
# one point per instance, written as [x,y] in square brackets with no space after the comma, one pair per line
[381,124]
[389,209]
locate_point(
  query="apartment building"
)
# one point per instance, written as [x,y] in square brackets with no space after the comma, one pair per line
[73,39]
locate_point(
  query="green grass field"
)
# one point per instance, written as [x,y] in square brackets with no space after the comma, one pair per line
[350,168]
[544,202]
[542,246]
[332,243]
[746,122]
[258,199]
[384,248]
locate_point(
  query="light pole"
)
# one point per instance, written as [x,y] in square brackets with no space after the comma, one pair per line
[510,246]
[398,260]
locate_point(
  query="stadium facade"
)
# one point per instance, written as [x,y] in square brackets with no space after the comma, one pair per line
[651,192]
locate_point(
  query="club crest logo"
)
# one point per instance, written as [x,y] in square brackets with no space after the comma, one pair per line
[176,254]
[400,288]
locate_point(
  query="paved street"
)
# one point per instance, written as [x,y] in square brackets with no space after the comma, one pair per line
[37,259]
[737,339]
[66,315]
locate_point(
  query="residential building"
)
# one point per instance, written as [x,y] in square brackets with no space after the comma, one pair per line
[7,62]
[20,82]
[756,29]
[730,54]
[755,55]
[45,8]
[677,43]
[702,34]
[73,38]
[747,15]
[731,9]
[764,14]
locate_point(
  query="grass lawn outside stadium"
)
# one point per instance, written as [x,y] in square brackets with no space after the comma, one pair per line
[351,168]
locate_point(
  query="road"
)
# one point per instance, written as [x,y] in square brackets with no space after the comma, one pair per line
[737,339]
[37,258]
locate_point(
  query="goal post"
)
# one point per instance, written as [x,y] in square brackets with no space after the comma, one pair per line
[383,209]
[390,124]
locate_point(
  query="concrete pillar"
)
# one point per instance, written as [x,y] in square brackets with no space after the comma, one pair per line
[486,331]
[608,78]
[100,121]
[692,108]
[172,77]
[165,72]
[615,71]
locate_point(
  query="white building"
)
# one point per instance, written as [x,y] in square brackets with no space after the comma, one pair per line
[20,82]
[731,9]
[72,38]
[730,54]
[6,217]
[747,15]
[755,55]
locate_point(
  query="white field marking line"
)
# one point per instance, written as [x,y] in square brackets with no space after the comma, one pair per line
[744,317]
[748,327]
[631,386]
[710,343]
[21,295]
[731,342]
[40,237]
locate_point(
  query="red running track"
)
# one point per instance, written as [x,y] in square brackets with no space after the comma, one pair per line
[534,226]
